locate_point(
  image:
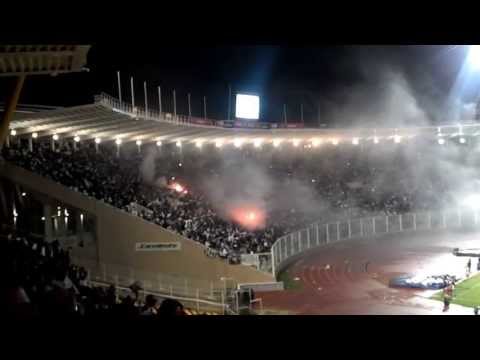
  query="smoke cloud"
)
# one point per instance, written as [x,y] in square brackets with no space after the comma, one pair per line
[388,98]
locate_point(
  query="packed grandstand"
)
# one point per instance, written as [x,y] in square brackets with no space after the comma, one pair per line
[271,191]
[181,189]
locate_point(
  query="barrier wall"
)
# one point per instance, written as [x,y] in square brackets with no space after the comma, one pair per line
[118,232]
[289,246]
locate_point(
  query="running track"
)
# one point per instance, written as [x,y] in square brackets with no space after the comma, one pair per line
[335,279]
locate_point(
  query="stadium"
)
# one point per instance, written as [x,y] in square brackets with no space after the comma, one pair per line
[120,208]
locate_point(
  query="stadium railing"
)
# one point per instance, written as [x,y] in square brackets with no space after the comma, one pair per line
[206,296]
[317,234]
[140,112]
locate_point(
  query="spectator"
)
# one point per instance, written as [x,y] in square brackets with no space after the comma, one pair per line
[171,307]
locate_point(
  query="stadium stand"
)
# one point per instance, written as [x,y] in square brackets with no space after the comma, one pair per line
[102,151]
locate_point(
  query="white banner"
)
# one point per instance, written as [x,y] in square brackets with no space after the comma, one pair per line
[152,246]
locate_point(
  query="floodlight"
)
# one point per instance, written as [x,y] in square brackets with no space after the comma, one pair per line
[237,142]
[257,143]
[474,56]
[247,106]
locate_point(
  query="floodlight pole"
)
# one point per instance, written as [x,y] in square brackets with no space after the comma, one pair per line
[301,112]
[119,86]
[160,99]
[189,106]
[205,107]
[229,101]
[318,114]
[10,109]
[146,100]
[132,92]
[174,105]
[285,114]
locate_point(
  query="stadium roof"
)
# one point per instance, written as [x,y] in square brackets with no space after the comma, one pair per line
[42,59]
[108,119]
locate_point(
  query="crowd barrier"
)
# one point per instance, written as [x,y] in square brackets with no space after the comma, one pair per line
[194,293]
[318,234]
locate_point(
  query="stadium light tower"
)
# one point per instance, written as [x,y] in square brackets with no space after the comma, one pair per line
[21,60]
[474,57]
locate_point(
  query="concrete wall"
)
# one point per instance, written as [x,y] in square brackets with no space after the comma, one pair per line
[117,233]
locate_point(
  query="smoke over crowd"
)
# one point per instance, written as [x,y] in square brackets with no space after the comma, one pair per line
[389,97]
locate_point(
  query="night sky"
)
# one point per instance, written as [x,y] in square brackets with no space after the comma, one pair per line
[314,76]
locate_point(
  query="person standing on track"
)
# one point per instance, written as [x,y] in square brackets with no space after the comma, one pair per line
[447,297]
[469,267]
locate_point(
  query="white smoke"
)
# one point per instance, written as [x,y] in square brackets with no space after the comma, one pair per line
[388,102]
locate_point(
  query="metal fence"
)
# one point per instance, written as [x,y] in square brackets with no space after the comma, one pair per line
[141,113]
[199,294]
[318,234]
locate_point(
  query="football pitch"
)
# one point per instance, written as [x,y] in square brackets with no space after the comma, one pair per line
[466,293]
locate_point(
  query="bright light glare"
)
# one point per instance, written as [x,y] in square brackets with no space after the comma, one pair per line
[198,144]
[218,143]
[472,201]
[441,141]
[355,141]
[315,142]
[55,137]
[178,143]
[462,140]
[247,106]
[474,57]
[98,140]
[335,142]
[13,132]
[34,135]
[159,143]
[237,143]
[276,142]
[296,142]
[397,139]
[257,143]
[118,141]
[178,188]
[76,138]
[375,140]
[138,142]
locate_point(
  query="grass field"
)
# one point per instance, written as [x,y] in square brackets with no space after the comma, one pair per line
[467,293]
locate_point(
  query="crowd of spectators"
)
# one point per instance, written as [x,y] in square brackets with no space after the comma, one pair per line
[347,181]
[39,280]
